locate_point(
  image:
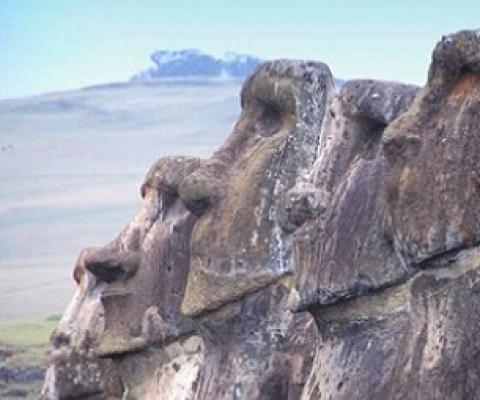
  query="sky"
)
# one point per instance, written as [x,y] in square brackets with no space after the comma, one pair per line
[54,45]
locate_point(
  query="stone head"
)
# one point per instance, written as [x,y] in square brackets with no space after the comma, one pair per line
[432,151]
[391,268]
[343,242]
[130,290]
[144,270]
[238,245]
[74,368]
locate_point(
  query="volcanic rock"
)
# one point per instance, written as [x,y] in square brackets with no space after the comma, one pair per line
[327,250]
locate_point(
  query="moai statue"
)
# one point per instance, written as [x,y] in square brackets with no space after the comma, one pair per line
[240,264]
[388,262]
[137,282]
[74,369]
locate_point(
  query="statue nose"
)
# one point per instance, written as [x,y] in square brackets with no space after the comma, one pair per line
[200,190]
[110,265]
[59,339]
[302,204]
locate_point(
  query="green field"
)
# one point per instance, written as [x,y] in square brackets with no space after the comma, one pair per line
[24,344]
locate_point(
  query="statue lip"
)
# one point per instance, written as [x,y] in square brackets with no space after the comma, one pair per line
[112,347]
[391,297]
[447,257]
[118,346]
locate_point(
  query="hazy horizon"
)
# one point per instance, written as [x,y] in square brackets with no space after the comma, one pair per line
[52,46]
[71,166]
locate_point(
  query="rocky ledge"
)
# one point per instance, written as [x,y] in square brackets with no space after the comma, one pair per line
[329,249]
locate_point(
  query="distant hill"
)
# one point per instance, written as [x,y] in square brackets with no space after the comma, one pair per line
[70,167]
[193,63]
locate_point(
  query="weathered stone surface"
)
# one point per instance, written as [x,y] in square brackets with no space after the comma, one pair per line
[344,248]
[328,250]
[418,340]
[145,271]
[237,245]
[134,288]
[255,348]
[390,269]
[74,370]
[146,267]
[434,188]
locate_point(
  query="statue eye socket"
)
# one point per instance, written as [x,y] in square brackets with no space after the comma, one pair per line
[270,119]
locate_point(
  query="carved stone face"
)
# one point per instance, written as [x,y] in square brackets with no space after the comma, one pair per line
[345,249]
[129,298]
[238,245]
[395,192]
[433,153]
[74,368]
[145,269]
[413,207]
